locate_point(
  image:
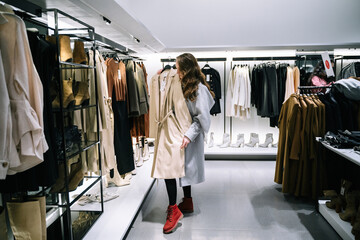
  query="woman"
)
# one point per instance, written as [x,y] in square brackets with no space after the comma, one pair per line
[199,100]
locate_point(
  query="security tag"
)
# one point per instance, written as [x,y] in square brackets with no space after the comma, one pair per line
[208,77]
[119,74]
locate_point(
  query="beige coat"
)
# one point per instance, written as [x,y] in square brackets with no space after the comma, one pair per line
[173,119]
[25,92]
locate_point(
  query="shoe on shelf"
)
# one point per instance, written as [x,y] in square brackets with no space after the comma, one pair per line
[240,141]
[146,152]
[268,141]
[226,141]
[186,206]
[65,48]
[117,179]
[211,140]
[79,54]
[140,160]
[128,176]
[81,93]
[254,140]
[275,145]
[352,199]
[174,215]
[67,97]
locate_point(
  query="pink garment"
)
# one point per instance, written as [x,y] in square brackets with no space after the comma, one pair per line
[316,81]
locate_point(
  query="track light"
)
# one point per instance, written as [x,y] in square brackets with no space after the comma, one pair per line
[107,21]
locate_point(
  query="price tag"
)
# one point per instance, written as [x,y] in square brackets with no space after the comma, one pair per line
[208,77]
[327,63]
[342,191]
[119,74]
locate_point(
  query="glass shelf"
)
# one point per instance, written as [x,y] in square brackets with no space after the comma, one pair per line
[75,65]
[78,148]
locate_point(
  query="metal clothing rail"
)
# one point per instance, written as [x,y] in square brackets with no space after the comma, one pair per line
[264,58]
[166,60]
[342,58]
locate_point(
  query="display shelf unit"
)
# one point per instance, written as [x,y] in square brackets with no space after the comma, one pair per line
[248,153]
[78,30]
[341,227]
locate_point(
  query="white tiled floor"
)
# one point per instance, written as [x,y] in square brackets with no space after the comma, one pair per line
[238,200]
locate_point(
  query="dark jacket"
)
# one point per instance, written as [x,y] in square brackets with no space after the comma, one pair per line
[215,85]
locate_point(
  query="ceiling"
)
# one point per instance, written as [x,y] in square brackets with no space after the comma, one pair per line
[187,25]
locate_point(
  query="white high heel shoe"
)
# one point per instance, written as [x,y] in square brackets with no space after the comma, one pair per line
[146,153]
[226,141]
[268,141]
[240,141]
[117,179]
[211,141]
[254,140]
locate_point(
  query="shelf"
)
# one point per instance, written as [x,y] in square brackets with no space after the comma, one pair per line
[78,148]
[349,154]
[56,110]
[53,214]
[127,205]
[74,65]
[247,153]
[341,227]
[88,183]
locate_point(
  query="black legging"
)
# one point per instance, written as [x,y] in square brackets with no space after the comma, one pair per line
[172,191]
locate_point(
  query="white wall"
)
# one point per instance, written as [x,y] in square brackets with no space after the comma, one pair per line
[255,123]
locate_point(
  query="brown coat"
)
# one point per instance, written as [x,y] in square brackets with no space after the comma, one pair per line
[172,119]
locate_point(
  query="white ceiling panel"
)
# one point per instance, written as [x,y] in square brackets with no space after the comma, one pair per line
[164,26]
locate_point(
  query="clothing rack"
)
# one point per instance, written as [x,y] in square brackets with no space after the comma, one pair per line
[166,60]
[342,58]
[264,58]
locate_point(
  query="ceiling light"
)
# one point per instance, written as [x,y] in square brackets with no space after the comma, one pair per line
[107,21]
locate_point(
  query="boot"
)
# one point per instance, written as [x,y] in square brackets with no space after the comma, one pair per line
[117,179]
[211,140]
[186,206]
[79,52]
[356,224]
[128,176]
[146,155]
[65,48]
[140,160]
[239,141]
[68,96]
[75,176]
[341,201]
[254,139]
[3,228]
[81,93]
[42,202]
[226,141]
[172,219]
[351,208]
[268,140]
[25,219]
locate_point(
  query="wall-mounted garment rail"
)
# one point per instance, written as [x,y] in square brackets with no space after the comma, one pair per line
[165,60]
[346,73]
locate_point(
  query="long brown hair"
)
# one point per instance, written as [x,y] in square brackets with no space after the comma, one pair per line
[192,76]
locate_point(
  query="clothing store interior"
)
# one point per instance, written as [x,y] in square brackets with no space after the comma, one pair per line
[124,139]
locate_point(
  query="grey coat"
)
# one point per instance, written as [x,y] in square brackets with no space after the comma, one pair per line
[194,153]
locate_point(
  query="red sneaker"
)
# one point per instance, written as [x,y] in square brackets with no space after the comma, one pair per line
[186,206]
[172,219]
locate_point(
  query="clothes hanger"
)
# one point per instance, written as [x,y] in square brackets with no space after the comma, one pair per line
[206,66]
[167,67]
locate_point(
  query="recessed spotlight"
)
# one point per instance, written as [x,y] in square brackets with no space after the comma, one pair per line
[107,21]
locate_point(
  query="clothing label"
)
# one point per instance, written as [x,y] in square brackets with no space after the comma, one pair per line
[342,191]
[119,74]
[162,85]
[327,64]
[208,77]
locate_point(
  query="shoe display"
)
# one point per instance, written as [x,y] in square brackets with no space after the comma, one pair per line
[226,141]
[117,179]
[186,206]
[65,48]
[240,141]
[268,141]
[254,140]
[68,99]
[211,140]
[79,55]
[81,93]
[174,215]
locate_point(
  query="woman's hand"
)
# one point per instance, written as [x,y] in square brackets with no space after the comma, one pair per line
[185,142]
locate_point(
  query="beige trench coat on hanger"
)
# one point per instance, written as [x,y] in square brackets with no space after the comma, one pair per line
[172,119]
